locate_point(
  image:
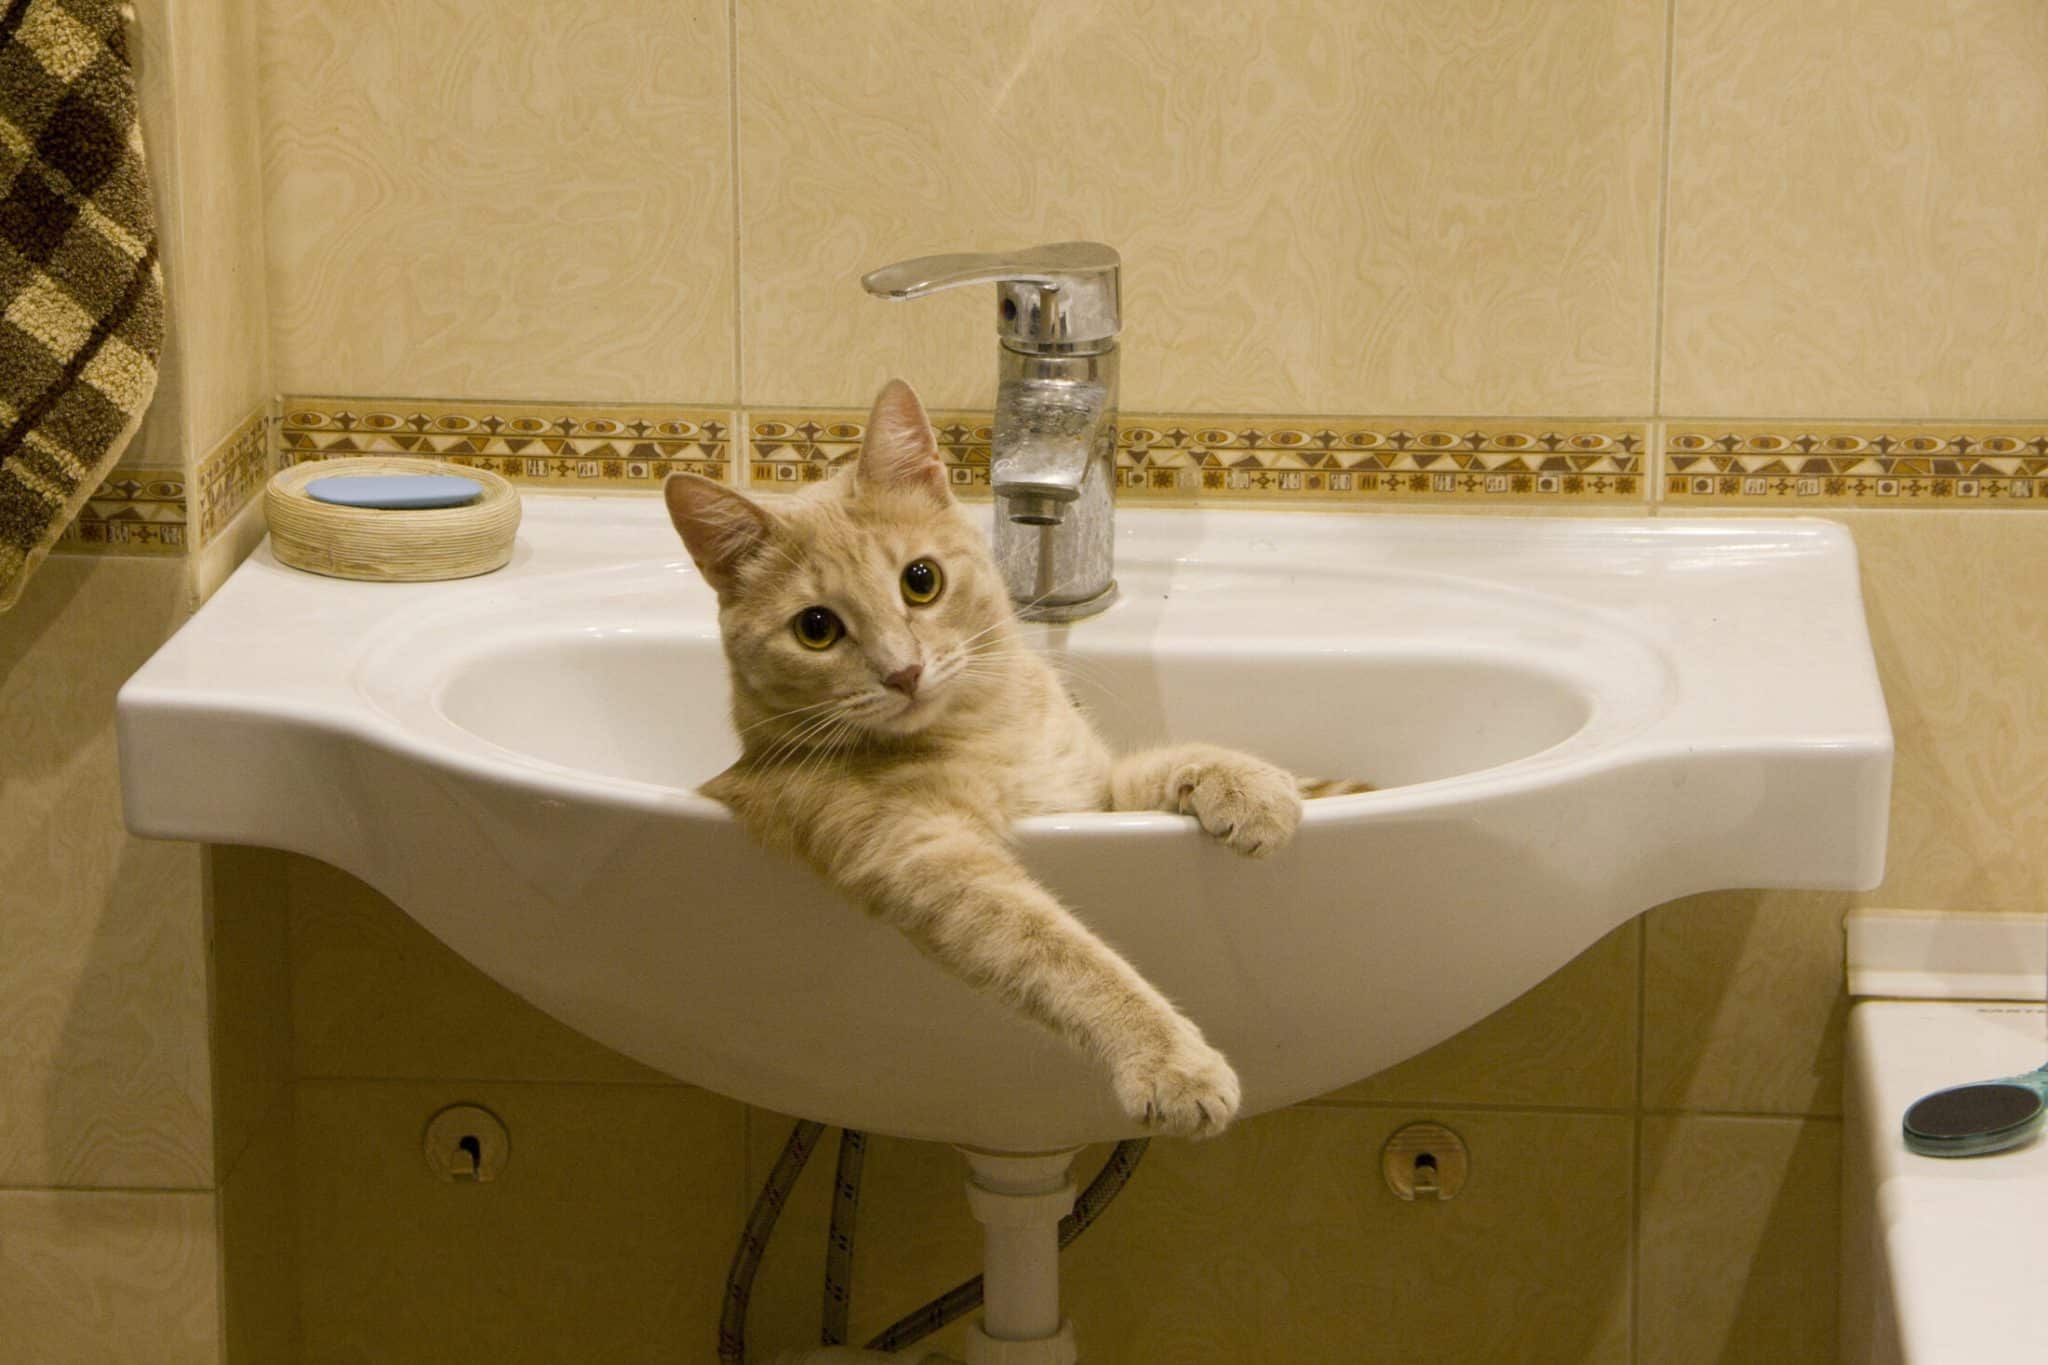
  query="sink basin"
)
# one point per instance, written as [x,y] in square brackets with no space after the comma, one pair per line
[1569,720]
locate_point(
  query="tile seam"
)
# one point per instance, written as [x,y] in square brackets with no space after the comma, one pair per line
[739,340]
[1660,297]
[125,1191]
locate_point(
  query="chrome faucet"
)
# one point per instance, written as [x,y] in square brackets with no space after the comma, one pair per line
[1052,461]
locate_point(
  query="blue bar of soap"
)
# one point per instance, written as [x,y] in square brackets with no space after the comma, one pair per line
[395,492]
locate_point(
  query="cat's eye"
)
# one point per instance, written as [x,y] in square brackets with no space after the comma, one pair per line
[817,628]
[922,583]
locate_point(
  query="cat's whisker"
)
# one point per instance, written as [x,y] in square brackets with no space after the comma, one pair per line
[785,715]
[815,762]
[797,737]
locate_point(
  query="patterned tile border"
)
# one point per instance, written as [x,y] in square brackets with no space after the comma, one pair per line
[134,511]
[1323,460]
[557,446]
[1209,458]
[1862,464]
[232,475]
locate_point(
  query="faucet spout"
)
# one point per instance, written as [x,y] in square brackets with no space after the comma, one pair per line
[1047,429]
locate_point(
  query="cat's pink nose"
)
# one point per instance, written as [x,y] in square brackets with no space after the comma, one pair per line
[904,680]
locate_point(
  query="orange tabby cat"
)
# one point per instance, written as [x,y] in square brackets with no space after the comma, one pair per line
[893,724]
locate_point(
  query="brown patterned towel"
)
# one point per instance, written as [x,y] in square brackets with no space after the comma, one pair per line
[81,293]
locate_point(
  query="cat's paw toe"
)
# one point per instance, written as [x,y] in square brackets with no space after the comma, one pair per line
[1251,806]
[1192,1092]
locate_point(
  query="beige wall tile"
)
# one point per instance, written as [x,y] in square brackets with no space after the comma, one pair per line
[1325,208]
[1282,1242]
[1277,1242]
[252,1010]
[1960,629]
[1857,196]
[160,440]
[1743,1003]
[259,1246]
[606,1237]
[1569,1042]
[1738,1240]
[375,995]
[220,315]
[92,1276]
[103,1047]
[489,200]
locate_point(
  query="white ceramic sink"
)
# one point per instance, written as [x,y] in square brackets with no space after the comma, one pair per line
[1573,720]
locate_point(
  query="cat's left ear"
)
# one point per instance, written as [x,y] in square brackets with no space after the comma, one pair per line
[899,450]
[722,529]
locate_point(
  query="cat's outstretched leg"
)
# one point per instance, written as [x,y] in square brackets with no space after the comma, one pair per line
[1248,803]
[951,885]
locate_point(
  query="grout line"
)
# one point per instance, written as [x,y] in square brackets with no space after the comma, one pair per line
[282,1100]
[322,1078]
[285,401]
[1748,1115]
[1653,467]
[1895,420]
[188,1191]
[1635,1186]
[739,348]
[1327,1105]
[1663,211]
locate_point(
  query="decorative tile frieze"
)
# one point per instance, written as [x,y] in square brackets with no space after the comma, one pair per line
[1320,460]
[560,447]
[786,449]
[1865,464]
[231,475]
[136,510]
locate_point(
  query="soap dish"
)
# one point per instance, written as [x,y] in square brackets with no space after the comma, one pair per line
[408,545]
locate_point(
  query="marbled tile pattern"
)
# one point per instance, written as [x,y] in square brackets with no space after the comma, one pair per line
[232,474]
[477,197]
[136,510]
[1324,207]
[1870,464]
[214,254]
[605,1238]
[1737,1242]
[1328,461]
[103,955]
[373,994]
[92,1276]
[1858,209]
[562,446]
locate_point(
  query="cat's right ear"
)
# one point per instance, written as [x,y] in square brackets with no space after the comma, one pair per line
[721,528]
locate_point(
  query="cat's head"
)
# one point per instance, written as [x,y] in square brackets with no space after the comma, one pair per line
[868,602]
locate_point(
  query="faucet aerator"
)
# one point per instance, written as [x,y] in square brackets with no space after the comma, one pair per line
[1035,509]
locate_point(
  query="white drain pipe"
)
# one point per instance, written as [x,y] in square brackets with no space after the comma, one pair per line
[1019,1201]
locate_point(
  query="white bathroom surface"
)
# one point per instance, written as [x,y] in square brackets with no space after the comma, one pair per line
[1567,719]
[1959,1246]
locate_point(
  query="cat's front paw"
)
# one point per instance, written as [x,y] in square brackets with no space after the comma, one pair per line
[1184,1089]
[1246,802]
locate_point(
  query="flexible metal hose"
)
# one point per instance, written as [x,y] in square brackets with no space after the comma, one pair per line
[965,1298]
[739,1281]
[853,1147]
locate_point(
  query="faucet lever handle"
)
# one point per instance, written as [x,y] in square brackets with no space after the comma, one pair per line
[1059,296]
